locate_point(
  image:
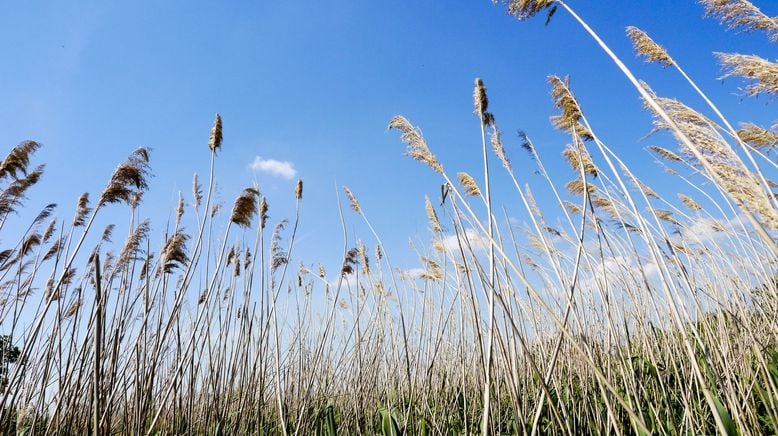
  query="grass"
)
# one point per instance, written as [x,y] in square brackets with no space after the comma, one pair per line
[631,311]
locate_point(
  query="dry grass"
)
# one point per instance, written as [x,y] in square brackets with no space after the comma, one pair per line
[614,307]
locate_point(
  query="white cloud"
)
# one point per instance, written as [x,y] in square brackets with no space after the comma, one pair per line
[275,167]
[700,230]
[478,242]
[414,273]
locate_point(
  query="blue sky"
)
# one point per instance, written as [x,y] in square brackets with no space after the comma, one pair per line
[314,84]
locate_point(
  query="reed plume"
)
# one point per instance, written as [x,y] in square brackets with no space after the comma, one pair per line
[496,140]
[173,254]
[432,216]
[354,203]
[215,141]
[526,9]
[481,103]
[131,247]
[18,159]
[570,118]
[469,184]
[417,147]
[763,74]
[245,207]
[578,157]
[646,47]
[757,137]
[129,178]
[743,15]
[13,195]
[298,190]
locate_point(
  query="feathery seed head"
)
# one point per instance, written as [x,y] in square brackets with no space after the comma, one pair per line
[526,9]
[174,252]
[469,184]
[432,216]
[741,14]
[646,47]
[417,147]
[245,207]
[215,141]
[18,159]
[298,190]
[762,73]
[82,210]
[197,192]
[352,200]
[128,179]
[757,137]
[499,149]
[263,216]
[570,119]
[481,103]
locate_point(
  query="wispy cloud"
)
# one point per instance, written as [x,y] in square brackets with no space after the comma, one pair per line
[275,167]
[478,242]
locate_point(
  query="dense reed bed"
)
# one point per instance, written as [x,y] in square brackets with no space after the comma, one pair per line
[643,312]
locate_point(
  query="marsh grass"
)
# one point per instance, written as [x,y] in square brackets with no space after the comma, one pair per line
[616,308]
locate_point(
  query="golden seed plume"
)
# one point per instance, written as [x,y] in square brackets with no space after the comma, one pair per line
[432,270]
[128,179]
[469,184]
[363,257]
[18,159]
[646,47]
[174,252]
[298,190]
[576,159]
[733,176]
[757,137]
[107,233]
[571,207]
[245,207]
[743,15]
[349,262]
[13,194]
[526,9]
[763,74]
[432,216]
[353,200]
[131,247]
[665,215]
[49,232]
[215,142]
[570,119]
[606,206]
[179,208]
[73,308]
[481,103]
[56,246]
[30,242]
[82,210]
[197,192]
[278,256]
[417,148]
[689,202]
[576,187]
[499,149]
[665,153]
[263,216]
